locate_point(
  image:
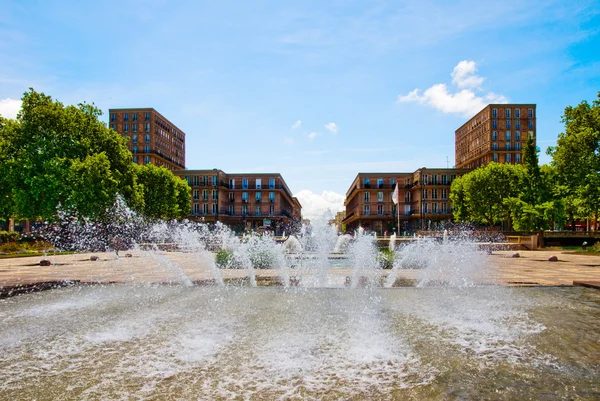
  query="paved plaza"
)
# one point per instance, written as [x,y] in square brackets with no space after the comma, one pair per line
[532,268]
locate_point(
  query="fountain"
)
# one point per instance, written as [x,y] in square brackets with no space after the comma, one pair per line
[326,331]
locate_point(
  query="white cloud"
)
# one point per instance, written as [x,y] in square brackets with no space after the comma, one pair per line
[314,206]
[332,127]
[464,75]
[465,101]
[312,136]
[9,107]
[297,124]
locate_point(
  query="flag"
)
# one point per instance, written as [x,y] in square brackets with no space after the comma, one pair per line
[395,195]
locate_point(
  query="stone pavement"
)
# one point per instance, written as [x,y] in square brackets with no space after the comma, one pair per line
[532,268]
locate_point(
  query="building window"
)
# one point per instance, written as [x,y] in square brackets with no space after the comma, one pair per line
[214,180]
[244,183]
[393,182]
[244,196]
[134,149]
[134,127]
[271,183]
[244,210]
[231,183]
[134,139]
[196,181]
[518,124]
[258,210]
[379,196]
[507,158]
[444,179]
[147,138]
[214,208]
[407,182]
[531,134]
[494,124]
[231,210]
[406,197]
[204,195]
[215,194]
[125,127]
[518,146]
[434,179]
[125,117]
[529,113]
[495,157]
[507,124]
[146,159]
[196,194]
[134,116]
[135,159]
[494,135]
[204,208]
[196,208]
[113,117]
[518,158]
[444,208]
[380,210]
[232,197]
[425,208]
[517,113]
[517,136]
[272,197]
[147,127]
[380,183]
[507,136]
[506,113]
[434,208]
[113,127]
[271,210]
[494,113]
[366,210]
[434,193]
[367,183]
[444,193]
[425,179]
[258,183]
[495,146]
[258,196]
[367,197]
[507,145]
[424,194]
[530,124]
[147,116]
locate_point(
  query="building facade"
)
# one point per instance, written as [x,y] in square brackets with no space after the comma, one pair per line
[423,200]
[152,139]
[497,133]
[243,201]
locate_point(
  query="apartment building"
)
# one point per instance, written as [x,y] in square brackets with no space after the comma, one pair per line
[152,138]
[423,200]
[497,133]
[243,201]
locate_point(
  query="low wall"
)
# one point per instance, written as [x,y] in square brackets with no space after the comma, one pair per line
[528,241]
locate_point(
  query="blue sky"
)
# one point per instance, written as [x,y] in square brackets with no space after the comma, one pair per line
[317,91]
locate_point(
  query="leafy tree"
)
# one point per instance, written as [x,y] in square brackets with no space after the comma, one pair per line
[479,195]
[576,158]
[165,195]
[54,154]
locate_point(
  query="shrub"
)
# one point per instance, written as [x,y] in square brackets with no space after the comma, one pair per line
[386,258]
[9,236]
[223,258]
[10,247]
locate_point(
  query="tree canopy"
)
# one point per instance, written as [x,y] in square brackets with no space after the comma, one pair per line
[53,155]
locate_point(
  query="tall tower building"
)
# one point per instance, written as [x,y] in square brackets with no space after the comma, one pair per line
[152,138]
[497,133]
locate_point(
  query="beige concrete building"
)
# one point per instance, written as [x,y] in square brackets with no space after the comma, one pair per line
[152,138]
[497,133]
[243,201]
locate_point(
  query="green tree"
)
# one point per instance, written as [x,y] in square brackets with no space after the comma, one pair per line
[54,154]
[165,195]
[576,158]
[479,196]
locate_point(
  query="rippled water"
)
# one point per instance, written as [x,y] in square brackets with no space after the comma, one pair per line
[176,342]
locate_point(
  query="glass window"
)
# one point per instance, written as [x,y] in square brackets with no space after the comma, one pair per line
[258,196]
[367,183]
[232,183]
[424,194]
[367,210]
[495,146]
[495,157]
[258,183]
[507,145]
[244,183]
[125,127]
[134,139]
[517,136]
[196,208]
[214,208]
[425,179]
[134,149]
[406,197]
[125,117]
[494,135]
[444,179]
[444,193]
[506,113]
[147,138]
[134,116]
[244,210]
[518,146]
[517,113]
[507,136]
[379,196]
[518,158]
[113,117]
[215,194]
[380,210]
[214,180]
[245,196]
[271,196]
[147,127]
[147,116]
[434,208]
[529,113]
[271,183]
[258,210]
[147,159]
[494,124]
[380,183]
[134,127]
[271,210]
[204,208]
[231,210]
[196,194]
[507,124]
[494,113]
[204,194]
[425,208]
[518,124]
[231,197]
[434,193]
[507,157]
[367,197]
[530,124]
[135,159]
